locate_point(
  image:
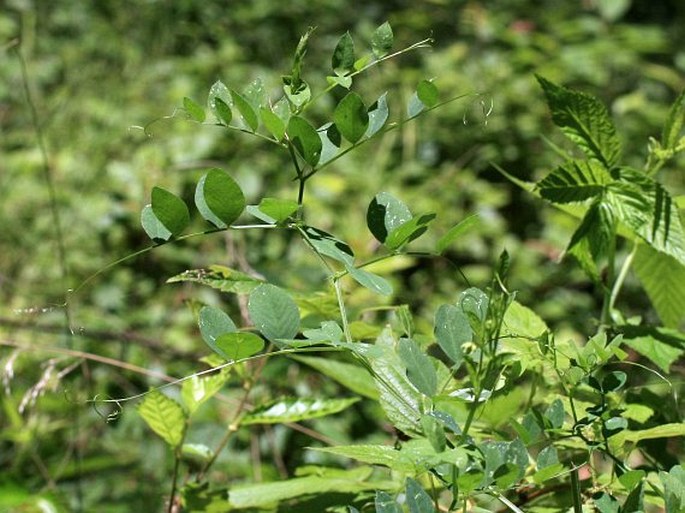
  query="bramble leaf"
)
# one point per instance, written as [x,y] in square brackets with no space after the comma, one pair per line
[674,123]
[667,296]
[575,180]
[164,416]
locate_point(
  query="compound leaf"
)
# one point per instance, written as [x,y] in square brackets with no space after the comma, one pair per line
[576,180]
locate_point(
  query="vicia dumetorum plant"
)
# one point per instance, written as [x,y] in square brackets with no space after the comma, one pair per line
[483,408]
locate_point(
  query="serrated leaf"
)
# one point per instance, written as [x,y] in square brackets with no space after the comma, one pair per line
[170,210]
[382,40]
[349,375]
[153,227]
[378,116]
[198,389]
[418,499]
[674,123]
[667,296]
[452,330]
[247,111]
[662,346]
[305,139]
[273,312]
[219,199]
[273,123]
[214,323]
[194,110]
[427,92]
[585,121]
[573,181]
[219,101]
[164,416]
[371,281]
[459,229]
[280,210]
[343,55]
[219,277]
[408,231]
[644,206]
[594,237]
[385,214]
[296,410]
[351,117]
[420,369]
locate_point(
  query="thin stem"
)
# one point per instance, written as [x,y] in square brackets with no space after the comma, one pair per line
[575,491]
[343,310]
[605,318]
[174,481]
[618,284]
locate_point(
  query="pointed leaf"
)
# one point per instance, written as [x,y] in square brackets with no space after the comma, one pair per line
[305,139]
[378,116]
[409,231]
[164,416]
[594,237]
[274,313]
[674,123]
[343,55]
[273,123]
[296,410]
[219,277]
[584,120]
[417,499]
[213,324]
[171,210]
[385,213]
[238,345]
[371,281]
[351,117]
[635,500]
[219,198]
[420,369]
[247,111]
[280,210]
[194,110]
[382,40]
[219,101]
[576,180]
[459,229]
[452,331]
[153,227]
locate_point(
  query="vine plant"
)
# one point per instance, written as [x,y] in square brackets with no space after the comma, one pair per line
[568,448]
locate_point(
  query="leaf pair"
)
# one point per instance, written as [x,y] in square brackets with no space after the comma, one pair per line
[392,223]
[218,198]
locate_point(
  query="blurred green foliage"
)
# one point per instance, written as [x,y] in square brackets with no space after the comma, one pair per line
[104,77]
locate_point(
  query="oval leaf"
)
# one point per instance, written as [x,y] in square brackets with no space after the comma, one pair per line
[305,139]
[219,198]
[351,117]
[296,410]
[273,123]
[378,116]
[382,40]
[427,93]
[194,110]
[279,210]
[213,324]
[385,213]
[238,345]
[164,416]
[409,231]
[452,331]
[274,313]
[219,101]
[153,226]
[343,55]
[420,369]
[247,112]
[371,281]
[171,210]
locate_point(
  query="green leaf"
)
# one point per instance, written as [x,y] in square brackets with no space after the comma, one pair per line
[613,381]
[351,117]
[434,432]
[238,345]
[384,503]
[198,389]
[213,324]
[378,116]
[575,180]
[153,227]
[196,455]
[343,55]
[555,414]
[382,40]
[415,106]
[274,313]
[219,102]
[280,210]
[420,369]
[255,94]
[452,330]
[305,139]
[674,489]
[417,499]
[459,229]
[674,123]
[247,111]
[344,81]
[547,457]
[194,110]
[594,237]
[219,198]
[635,500]
[585,121]
[662,431]
[606,503]
[386,455]
[298,96]
[330,246]
[427,93]
[170,210]
[409,231]
[164,416]
[330,142]
[371,281]
[662,346]
[643,205]
[219,277]
[475,303]
[385,214]
[667,296]
[296,410]
[349,375]
[273,123]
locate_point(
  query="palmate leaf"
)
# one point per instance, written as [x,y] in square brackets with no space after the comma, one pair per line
[164,416]
[296,410]
[666,295]
[584,120]
[645,207]
[573,181]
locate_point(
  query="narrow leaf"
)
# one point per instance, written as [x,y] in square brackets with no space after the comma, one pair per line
[273,123]
[371,281]
[330,246]
[219,198]
[420,369]
[349,375]
[351,117]
[274,313]
[382,40]
[464,226]
[296,410]
[674,123]
[164,416]
[219,277]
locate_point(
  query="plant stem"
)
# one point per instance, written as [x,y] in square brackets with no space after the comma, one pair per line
[575,492]
[622,276]
[174,480]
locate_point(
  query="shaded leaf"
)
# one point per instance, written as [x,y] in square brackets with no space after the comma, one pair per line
[296,410]
[305,139]
[170,210]
[343,55]
[385,214]
[219,198]
[214,323]
[418,499]
[330,246]
[420,369]
[194,110]
[674,123]
[164,416]
[384,503]
[382,40]
[351,117]
[273,312]
[575,180]
[674,489]
[427,93]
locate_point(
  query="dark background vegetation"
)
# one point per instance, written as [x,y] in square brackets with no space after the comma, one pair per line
[98,71]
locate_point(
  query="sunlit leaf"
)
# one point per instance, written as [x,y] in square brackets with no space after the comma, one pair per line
[386,213]
[196,455]
[382,40]
[462,227]
[575,180]
[305,139]
[194,110]
[330,246]
[247,111]
[280,210]
[408,231]
[371,281]
[238,345]
[296,410]
[351,117]
[198,389]
[418,499]
[674,123]
[378,116]
[219,277]
[427,92]
[273,123]
[343,55]
[170,210]
[164,416]
[452,330]
[274,313]
[420,369]
[219,101]
[153,227]
[349,375]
